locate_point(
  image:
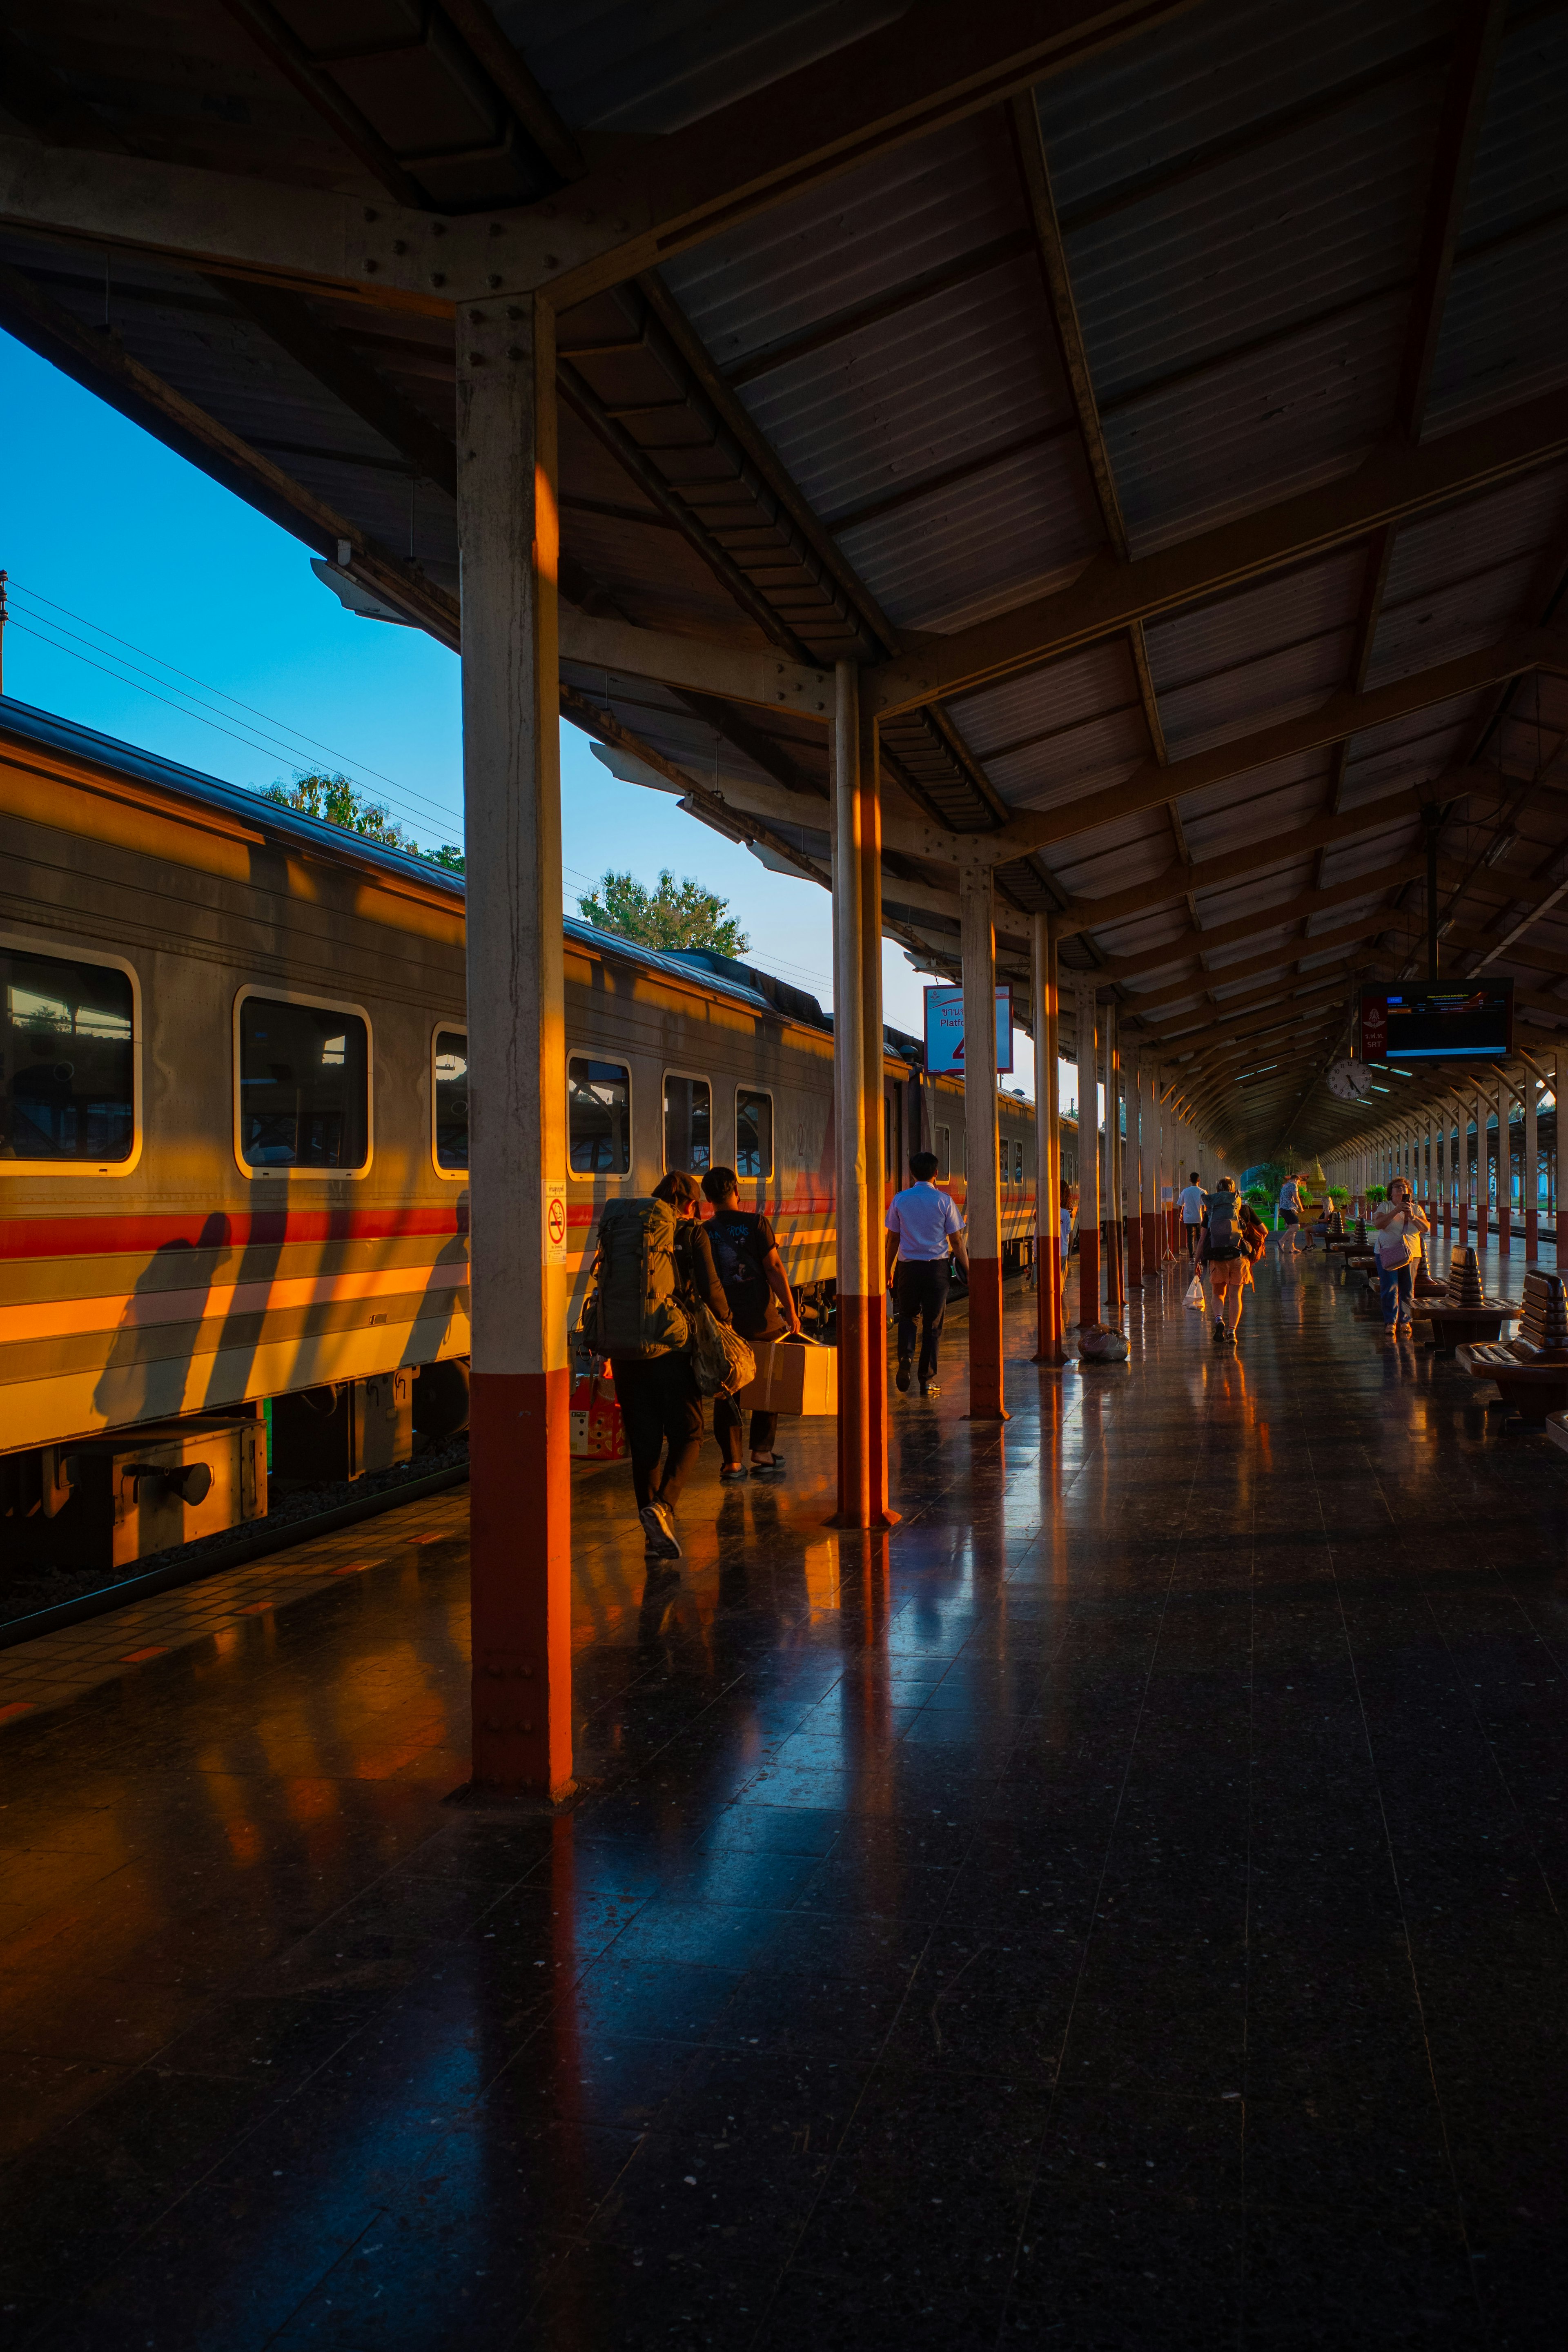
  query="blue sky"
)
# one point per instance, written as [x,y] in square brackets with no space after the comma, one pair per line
[108,535]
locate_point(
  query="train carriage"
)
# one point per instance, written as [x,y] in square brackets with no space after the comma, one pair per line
[234,1105]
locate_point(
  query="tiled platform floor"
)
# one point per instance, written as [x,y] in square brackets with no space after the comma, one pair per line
[1122,1911]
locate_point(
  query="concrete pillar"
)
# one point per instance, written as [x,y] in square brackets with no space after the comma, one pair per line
[1529,1176]
[519,1492]
[978,943]
[1504,1172]
[1559,1069]
[1149,1207]
[1048,1348]
[1089,1158]
[1115,1216]
[858,1112]
[1136,1148]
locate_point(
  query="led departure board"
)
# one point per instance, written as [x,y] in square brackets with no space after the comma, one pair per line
[1471,1022]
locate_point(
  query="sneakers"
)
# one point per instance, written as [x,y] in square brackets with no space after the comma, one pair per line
[659,1529]
[901,1377]
[1219,1335]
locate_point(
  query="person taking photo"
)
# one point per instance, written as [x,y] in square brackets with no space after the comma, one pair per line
[1400,1225]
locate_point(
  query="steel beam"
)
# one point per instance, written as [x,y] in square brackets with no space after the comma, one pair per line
[641,200]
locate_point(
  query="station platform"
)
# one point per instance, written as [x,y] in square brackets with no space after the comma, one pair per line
[1121,1908]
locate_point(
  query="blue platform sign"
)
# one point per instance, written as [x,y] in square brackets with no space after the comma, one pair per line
[944,1030]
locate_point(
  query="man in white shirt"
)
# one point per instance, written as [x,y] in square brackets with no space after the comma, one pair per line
[924,1230]
[1194,1204]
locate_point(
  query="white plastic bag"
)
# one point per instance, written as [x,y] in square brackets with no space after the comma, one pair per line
[1195,1296]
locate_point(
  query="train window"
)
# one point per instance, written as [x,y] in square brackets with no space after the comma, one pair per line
[1018,1162]
[67,1060]
[598,1117]
[943,1154]
[449,1094]
[688,1124]
[304,1085]
[753,1133]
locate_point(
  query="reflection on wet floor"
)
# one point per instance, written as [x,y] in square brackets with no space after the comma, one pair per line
[1121,1908]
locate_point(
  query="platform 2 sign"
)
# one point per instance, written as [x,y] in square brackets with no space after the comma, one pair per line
[1469,1024]
[944,1030]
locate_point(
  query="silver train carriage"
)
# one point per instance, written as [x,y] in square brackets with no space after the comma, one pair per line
[234,1137]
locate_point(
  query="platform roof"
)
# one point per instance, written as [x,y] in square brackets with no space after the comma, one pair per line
[1164,404]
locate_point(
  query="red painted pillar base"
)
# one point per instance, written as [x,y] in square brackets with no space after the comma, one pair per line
[985,1383]
[519,1521]
[862,1415]
[1049,1304]
[1134,1254]
[1505,1232]
[1088,1279]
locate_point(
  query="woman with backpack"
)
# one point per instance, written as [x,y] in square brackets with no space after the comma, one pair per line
[1232,1239]
[762,1306]
[654,1254]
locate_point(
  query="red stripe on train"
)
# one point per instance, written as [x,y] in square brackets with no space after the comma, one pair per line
[89,1236]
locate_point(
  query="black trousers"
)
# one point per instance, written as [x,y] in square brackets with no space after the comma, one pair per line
[660,1407]
[921,1286]
[728,1418]
[1192,1233]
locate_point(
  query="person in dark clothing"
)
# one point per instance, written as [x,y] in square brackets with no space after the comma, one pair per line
[925,1233]
[762,1306]
[661,1409]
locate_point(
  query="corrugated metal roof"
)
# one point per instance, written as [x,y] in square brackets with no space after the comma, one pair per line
[1503,324]
[849,243]
[660,64]
[1077,727]
[1273,652]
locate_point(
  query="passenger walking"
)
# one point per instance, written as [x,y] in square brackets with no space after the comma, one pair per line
[1195,1207]
[925,1232]
[762,1306]
[1233,1237]
[653,1255]
[1400,1225]
[1289,1208]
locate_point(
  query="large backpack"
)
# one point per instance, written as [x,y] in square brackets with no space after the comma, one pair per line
[1225,1225]
[634,1310]
[733,1241]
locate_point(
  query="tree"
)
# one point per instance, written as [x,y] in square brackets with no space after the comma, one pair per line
[675,915]
[337,800]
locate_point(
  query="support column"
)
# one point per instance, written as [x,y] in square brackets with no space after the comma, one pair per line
[1115,1230]
[1529,1176]
[857,1113]
[1048,1303]
[1088,1162]
[1504,1172]
[1559,1071]
[978,943]
[1136,1148]
[1154,1161]
[520,1493]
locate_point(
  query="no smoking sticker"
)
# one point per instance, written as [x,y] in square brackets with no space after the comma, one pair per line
[554,1222]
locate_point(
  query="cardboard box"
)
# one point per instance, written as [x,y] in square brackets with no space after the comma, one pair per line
[792,1376]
